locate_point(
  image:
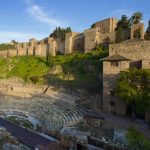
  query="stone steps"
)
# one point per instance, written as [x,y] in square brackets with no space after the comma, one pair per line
[53,113]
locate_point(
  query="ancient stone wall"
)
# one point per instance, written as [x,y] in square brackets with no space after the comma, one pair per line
[146,64]
[91,39]
[8,53]
[139,54]
[107,38]
[134,50]
[135,27]
[21,50]
[69,42]
[111,103]
[30,50]
[52,47]
[107,25]
[78,42]
[60,46]
[38,50]
[102,33]
[12,53]
[3,54]
[74,41]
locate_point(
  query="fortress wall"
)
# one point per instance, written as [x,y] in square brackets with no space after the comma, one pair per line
[22,52]
[3,54]
[103,38]
[52,47]
[91,39]
[110,76]
[134,50]
[37,50]
[74,41]
[41,50]
[25,44]
[146,63]
[8,53]
[107,25]
[12,53]
[135,27]
[32,41]
[30,50]
[20,49]
[69,42]
[25,48]
[44,49]
[60,46]
[78,42]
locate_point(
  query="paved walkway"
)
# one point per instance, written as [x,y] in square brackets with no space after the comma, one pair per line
[121,122]
[25,136]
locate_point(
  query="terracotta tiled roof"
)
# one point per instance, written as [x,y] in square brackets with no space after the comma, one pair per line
[115,57]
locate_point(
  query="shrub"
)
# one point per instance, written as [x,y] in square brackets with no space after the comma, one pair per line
[35,79]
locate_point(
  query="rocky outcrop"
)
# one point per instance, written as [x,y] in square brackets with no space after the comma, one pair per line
[58,71]
[16,87]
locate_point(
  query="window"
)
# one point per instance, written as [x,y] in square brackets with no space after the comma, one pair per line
[112,104]
[112,93]
[115,63]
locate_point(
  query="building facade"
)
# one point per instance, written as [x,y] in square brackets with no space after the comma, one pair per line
[122,56]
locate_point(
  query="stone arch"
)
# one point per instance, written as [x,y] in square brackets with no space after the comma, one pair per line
[139,28]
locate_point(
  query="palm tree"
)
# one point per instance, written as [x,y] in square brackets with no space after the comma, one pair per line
[136,17]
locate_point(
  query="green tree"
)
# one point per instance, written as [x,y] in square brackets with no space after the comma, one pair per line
[136,18]
[122,26]
[49,59]
[136,140]
[93,25]
[59,33]
[14,42]
[134,87]
[119,35]
[124,23]
[68,29]
[147,35]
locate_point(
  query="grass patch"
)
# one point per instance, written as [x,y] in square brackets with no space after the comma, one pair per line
[20,121]
[84,68]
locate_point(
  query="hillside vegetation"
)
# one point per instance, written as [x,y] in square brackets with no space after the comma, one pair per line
[73,70]
[4,47]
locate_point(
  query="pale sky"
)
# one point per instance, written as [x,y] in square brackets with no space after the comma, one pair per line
[24,19]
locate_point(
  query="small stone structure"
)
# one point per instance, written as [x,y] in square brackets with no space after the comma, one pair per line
[136,27]
[122,56]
